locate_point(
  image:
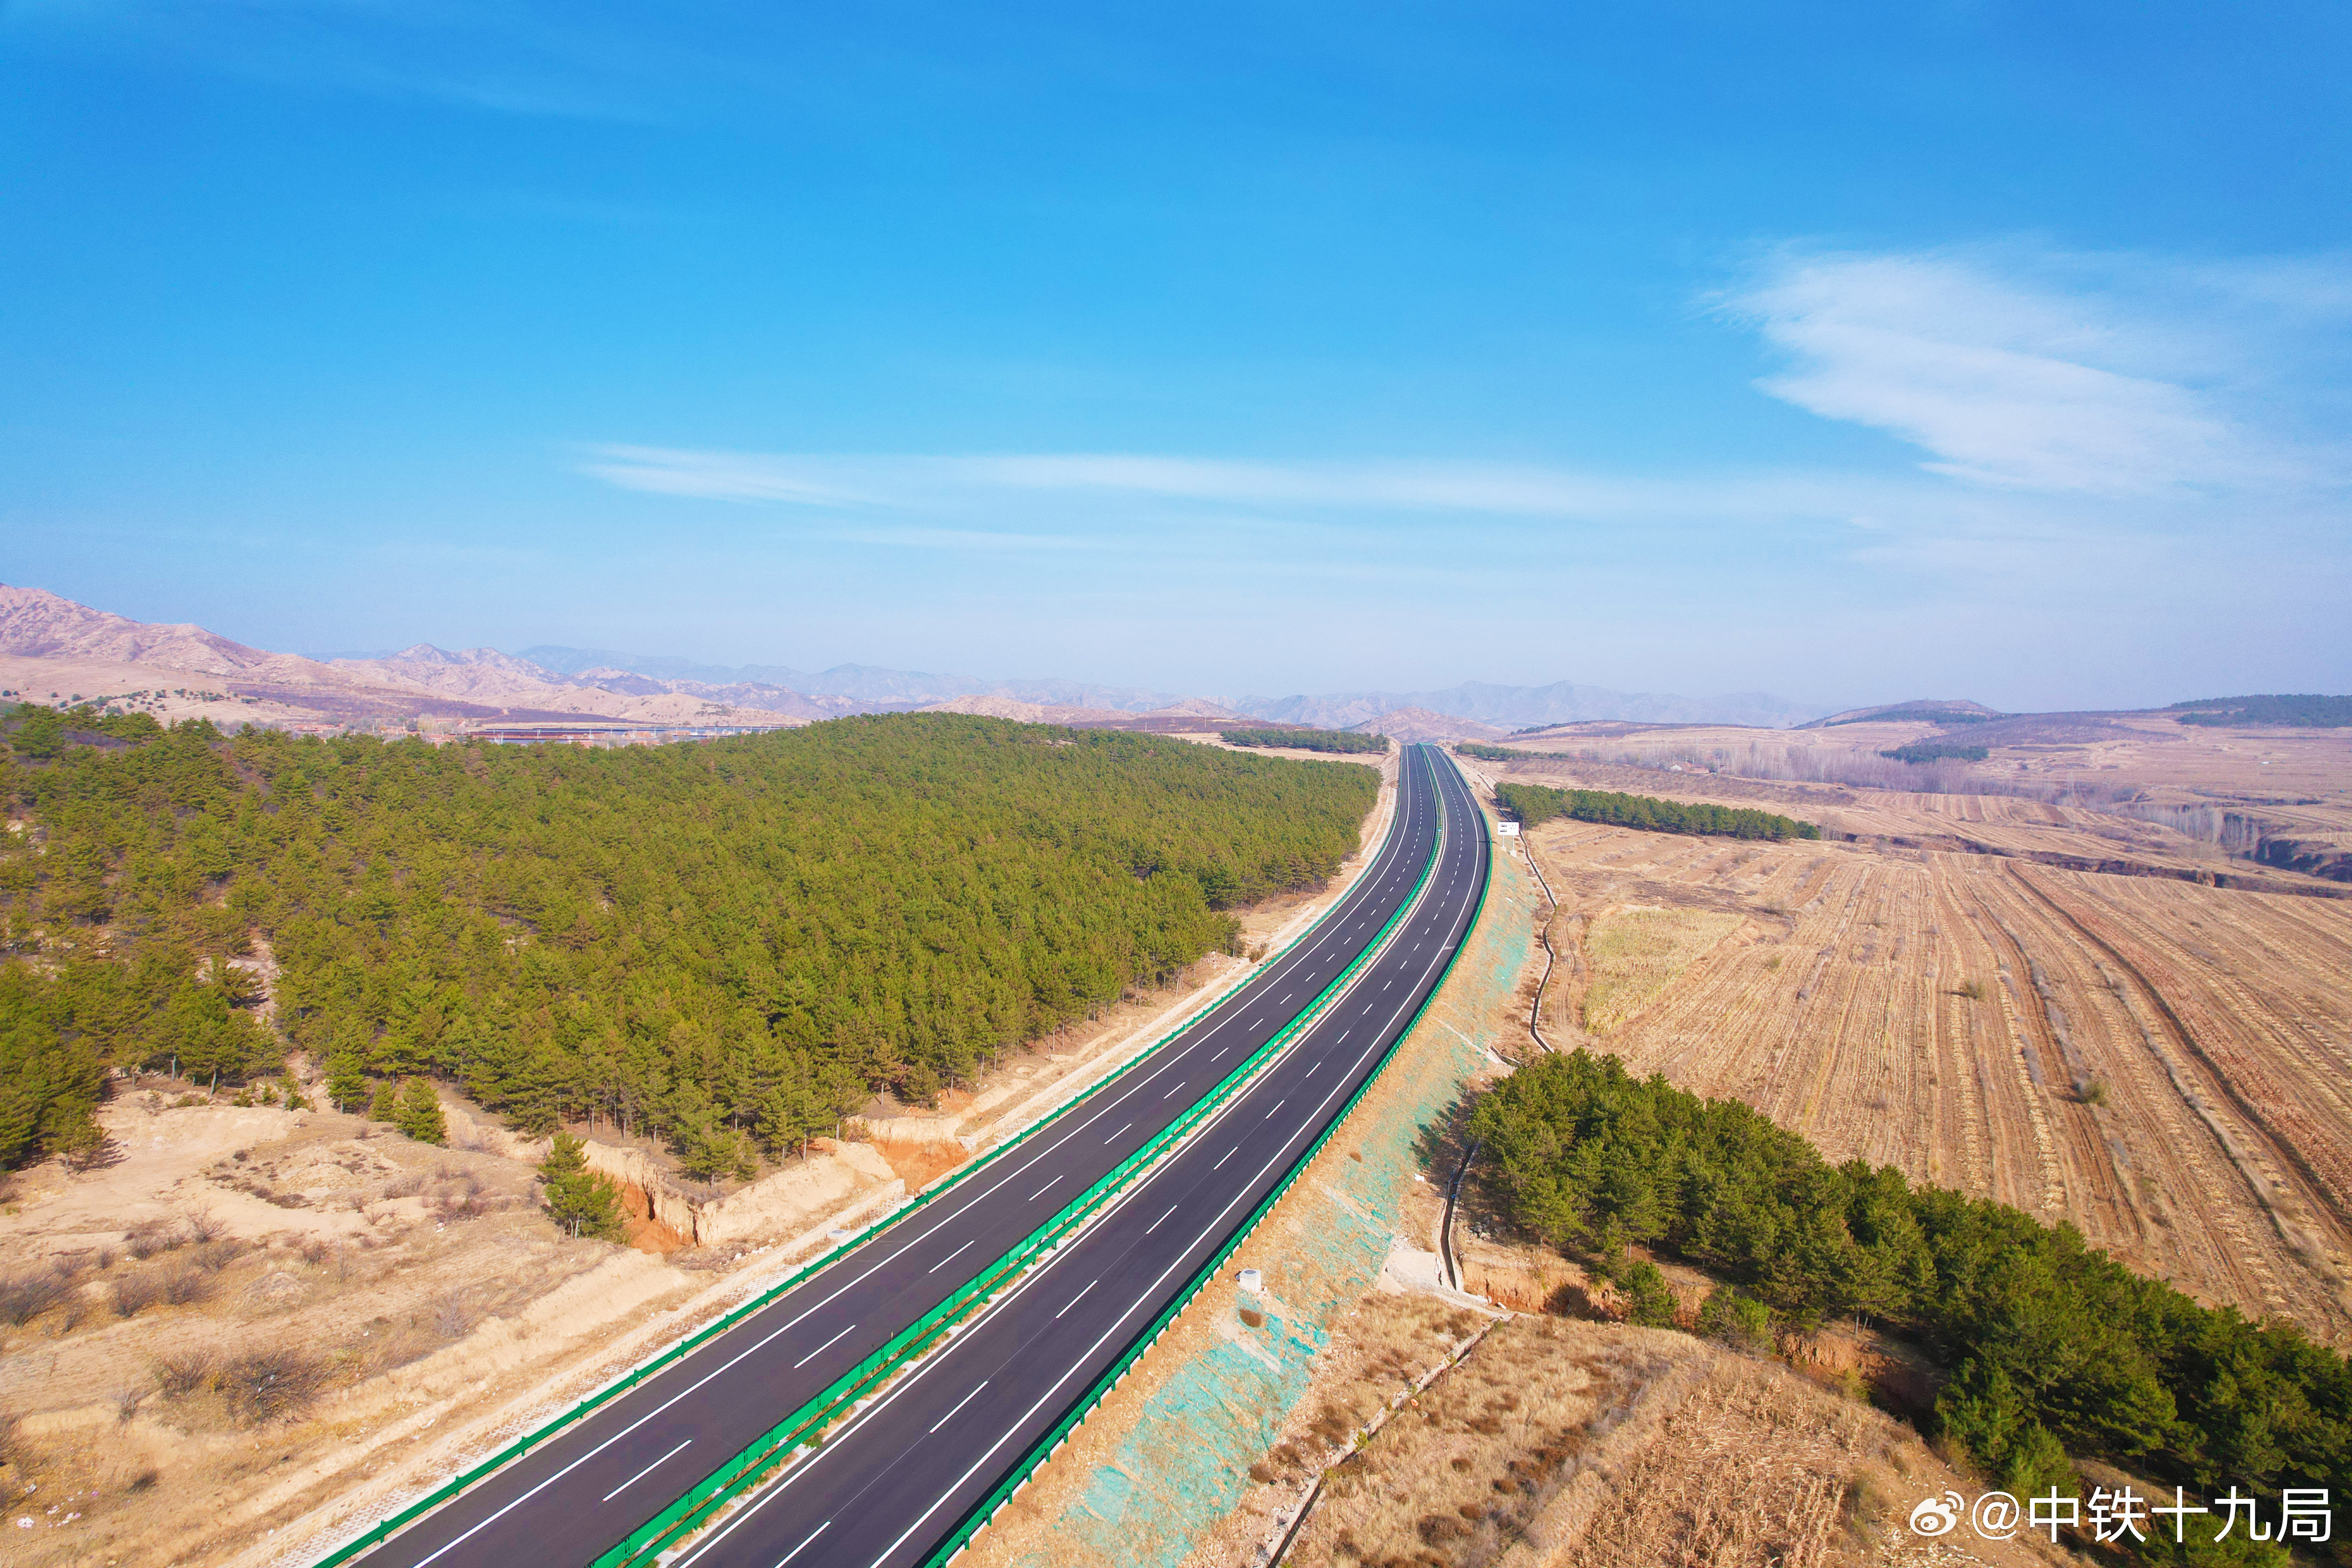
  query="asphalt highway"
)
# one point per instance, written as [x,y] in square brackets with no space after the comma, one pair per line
[583,1491]
[887,1489]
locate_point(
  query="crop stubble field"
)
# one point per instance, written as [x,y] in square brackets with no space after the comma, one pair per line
[2162,1062]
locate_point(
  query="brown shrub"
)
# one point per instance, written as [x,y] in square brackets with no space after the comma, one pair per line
[266,1384]
[453,1315]
[214,1256]
[24,1297]
[186,1285]
[134,1293]
[144,1241]
[184,1373]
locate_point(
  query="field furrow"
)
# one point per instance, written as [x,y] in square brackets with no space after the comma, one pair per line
[2166,1064]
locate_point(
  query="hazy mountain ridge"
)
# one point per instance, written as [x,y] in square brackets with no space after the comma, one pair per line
[114,653]
[37,623]
[1407,725]
[1930,710]
[1521,707]
[880,688]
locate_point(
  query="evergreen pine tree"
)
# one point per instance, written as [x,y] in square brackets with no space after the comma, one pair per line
[347,1085]
[418,1112]
[383,1104]
[578,1199]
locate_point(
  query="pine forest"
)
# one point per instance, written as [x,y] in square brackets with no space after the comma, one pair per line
[1535,804]
[725,944]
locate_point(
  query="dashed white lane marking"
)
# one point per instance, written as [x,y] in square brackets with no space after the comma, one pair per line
[648,1471]
[1115,1137]
[796,1551]
[950,1258]
[959,1404]
[1078,1298]
[1156,1223]
[1041,1191]
[765,1498]
[819,1351]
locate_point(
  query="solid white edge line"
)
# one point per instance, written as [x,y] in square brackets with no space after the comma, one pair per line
[784,1483]
[1142,1300]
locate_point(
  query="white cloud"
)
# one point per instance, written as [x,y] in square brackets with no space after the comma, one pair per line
[1304,489]
[718,475]
[2106,441]
[2111,375]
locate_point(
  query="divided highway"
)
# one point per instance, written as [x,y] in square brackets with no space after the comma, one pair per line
[900,1476]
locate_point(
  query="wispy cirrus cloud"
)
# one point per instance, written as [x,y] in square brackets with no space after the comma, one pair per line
[2100,437]
[1305,488]
[2111,375]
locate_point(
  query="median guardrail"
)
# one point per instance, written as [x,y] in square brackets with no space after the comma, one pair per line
[756,1460]
[1050,1444]
[374,1535]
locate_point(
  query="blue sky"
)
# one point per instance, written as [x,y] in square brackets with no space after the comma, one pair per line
[1853,353]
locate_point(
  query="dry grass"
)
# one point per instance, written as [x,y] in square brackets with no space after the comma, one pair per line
[1634,953]
[1578,1445]
[2165,1064]
[1461,1473]
[25,1296]
[233,1312]
[271,1384]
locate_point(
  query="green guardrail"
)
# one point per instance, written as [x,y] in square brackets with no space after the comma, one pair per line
[753,1462]
[1047,1445]
[382,1530]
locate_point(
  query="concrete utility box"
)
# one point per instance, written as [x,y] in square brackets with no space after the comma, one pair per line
[1252,1281]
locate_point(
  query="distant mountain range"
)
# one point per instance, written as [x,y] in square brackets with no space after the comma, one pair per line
[857,682]
[50,644]
[1503,706]
[1525,707]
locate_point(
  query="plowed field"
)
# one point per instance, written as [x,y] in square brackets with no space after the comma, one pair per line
[2167,1065]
